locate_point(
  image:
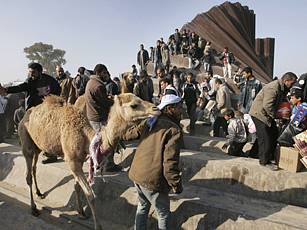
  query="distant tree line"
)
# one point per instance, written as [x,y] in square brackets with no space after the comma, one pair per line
[46,55]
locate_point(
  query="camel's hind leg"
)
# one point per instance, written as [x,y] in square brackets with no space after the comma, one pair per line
[38,192]
[30,151]
[29,156]
[76,168]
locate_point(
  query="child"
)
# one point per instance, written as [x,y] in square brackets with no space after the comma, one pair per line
[298,121]
[296,100]
[236,138]
[190,95]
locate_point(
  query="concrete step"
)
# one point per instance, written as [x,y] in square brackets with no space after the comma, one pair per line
[14,215]
[51,216]
[196,208]
[211,168]
[54,180]
[204,143]
[199,207]
[202,208]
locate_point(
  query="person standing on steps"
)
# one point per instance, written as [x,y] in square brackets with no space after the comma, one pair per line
[155,168]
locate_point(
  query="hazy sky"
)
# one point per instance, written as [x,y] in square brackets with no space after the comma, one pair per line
[110,31]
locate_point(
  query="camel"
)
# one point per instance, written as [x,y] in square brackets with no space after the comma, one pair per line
[62,129]
[127,83]
[81,104]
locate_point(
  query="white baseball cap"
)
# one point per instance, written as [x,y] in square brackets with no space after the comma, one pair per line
[168,99]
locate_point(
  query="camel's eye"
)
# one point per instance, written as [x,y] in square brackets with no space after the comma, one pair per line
[134,106]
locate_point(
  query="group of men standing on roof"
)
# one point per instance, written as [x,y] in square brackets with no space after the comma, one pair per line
[190,45]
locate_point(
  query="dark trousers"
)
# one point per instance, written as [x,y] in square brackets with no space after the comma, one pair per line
[219,122]
[253,152]
[191,110]
[267,140]
[2,127]
[235,149]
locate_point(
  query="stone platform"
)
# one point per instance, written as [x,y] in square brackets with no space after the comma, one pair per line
[220,192]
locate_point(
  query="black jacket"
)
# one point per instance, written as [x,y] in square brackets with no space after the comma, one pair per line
[145,57]
[37,89]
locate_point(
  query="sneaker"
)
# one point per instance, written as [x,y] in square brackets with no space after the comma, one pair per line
[114,168]
[50,160]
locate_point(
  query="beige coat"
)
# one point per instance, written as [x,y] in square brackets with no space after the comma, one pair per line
[223,100]
[68,91]
[165,56]
[267,100]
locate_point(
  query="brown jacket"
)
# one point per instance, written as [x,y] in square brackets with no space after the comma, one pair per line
[223,100]
[68,91]
[97,102]
[267,100]
[156,162]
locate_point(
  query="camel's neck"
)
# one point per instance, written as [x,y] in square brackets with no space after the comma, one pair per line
[113,131]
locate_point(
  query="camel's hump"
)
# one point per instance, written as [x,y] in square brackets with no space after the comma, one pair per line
[54,100]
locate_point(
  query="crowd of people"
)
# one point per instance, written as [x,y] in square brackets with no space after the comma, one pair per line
[254,118]
[190,45]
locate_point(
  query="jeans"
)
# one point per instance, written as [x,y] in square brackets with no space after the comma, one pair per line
[207,67]
[109,160]
[227,71]
[161,203]
[97,125]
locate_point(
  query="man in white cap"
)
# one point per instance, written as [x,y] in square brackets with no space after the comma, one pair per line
[155,167]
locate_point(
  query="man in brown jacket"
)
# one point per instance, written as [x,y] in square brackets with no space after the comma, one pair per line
[223,103]
[68,91]
[155,167]
[263,112]
[98,105]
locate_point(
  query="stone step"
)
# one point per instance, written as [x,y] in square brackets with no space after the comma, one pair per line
[197,208]
[51,215]
[201,208]
[204,143]
[211,168]
[54,180]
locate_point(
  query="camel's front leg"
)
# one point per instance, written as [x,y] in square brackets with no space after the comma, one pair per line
[76,168]
[38,193]
[29,160]
[78,190]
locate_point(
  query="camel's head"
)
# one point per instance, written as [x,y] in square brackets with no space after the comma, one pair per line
[128,77]
[133,109]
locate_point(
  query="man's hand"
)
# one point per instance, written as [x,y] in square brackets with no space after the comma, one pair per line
[2,90]
[178,189]
[224,147]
